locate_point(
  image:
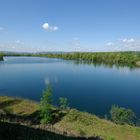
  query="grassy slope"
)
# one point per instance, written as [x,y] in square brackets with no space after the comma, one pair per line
[75,122]
[17,105]
[92,125]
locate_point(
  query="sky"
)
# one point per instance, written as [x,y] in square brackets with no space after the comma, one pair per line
[69,25]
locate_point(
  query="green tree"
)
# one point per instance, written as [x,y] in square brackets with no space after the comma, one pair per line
[119,58]
[122,115]
[46,106]
[1,56]
[63,102]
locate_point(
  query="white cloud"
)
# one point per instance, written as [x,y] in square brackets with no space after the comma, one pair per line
[109,44]
[45,26]
[49,28]
[125,44]
[125,40]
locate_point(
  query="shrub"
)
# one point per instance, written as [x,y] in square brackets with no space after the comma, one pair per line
[1,56]
[46,106]
[63,102]
[122,115]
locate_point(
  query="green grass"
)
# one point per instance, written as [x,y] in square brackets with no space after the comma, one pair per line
[90,125]
[75,122]
[18,106]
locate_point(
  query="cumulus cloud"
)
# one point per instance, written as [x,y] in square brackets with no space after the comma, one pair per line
[125,40]
[49,28]
[125,44]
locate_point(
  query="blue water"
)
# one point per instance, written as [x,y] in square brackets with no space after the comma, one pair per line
[88,87]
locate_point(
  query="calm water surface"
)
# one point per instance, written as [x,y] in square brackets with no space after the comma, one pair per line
[88,87]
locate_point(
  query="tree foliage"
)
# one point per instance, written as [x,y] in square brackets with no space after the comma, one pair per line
[63,102]
[46,106]
[1,56]
[131,59]
[119,58]
[122,115]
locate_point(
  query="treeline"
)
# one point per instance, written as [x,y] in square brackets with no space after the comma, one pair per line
[118,58]
[1,56]
[131,59]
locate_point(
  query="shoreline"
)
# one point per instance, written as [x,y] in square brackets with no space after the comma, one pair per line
[130,59]
[73,124]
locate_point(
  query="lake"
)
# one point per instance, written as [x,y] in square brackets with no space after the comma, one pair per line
[88,87]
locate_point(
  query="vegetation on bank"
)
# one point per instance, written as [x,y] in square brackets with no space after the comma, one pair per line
[131,59]
[1,56]
[122,115]
[119,115]
[48,112]
[46,107]
[69,121]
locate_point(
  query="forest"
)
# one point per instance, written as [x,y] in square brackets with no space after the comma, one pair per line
[118,58]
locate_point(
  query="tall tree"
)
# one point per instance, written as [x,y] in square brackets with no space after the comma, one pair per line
[46,106]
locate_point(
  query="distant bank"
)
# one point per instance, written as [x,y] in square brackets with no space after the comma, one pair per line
[131,59]
[1,57]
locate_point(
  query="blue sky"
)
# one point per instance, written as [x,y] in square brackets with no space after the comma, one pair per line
[69,25]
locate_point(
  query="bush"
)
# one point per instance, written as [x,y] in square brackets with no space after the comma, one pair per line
[63,102]
[46,106]
[122,115]
[1,56]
